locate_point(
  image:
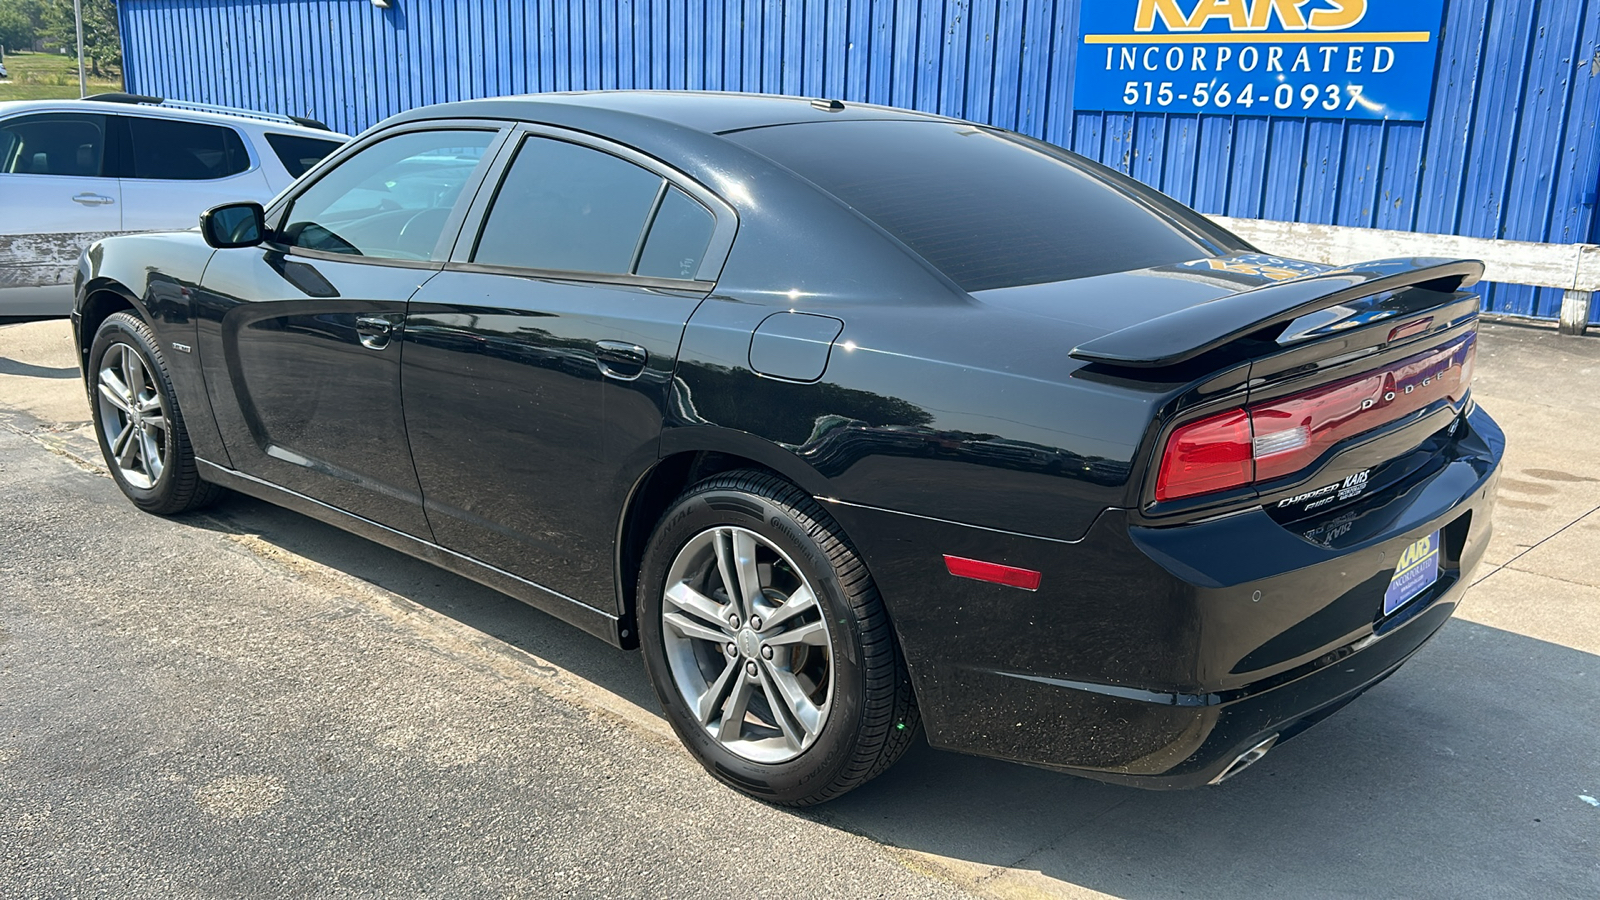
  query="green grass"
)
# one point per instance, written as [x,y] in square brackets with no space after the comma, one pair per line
[48,76]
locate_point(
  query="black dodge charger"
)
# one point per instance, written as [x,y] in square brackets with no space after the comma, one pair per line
[856,421]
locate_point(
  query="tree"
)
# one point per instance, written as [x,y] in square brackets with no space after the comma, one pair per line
[22,22]
[102,47]
[16,29]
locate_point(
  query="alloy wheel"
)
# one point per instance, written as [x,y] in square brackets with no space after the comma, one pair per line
[133,416]
[747,645]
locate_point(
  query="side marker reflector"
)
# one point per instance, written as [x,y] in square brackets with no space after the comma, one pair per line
[994,573]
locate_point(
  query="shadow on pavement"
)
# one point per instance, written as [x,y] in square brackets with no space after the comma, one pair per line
[29,370]
[1460,776]
[491,612]
[18,320]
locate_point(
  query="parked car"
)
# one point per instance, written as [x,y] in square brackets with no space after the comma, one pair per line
[854,420]
[72,171]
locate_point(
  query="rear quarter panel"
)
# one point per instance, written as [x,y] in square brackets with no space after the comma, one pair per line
[956,411]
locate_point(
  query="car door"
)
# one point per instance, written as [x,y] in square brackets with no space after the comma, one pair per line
[537,364]
[173,170]
[57,195]
[300,337]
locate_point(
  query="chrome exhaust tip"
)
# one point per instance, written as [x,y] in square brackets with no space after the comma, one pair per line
[1246,759]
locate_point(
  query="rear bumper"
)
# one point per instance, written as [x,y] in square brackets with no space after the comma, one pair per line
[1155,657]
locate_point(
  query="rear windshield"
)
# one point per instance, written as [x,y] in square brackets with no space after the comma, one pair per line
[988,210]
[300,153]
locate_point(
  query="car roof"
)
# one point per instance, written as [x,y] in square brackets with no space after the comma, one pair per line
[243,118]
[712,112]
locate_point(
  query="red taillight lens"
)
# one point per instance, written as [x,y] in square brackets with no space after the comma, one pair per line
[1281,437]
[1294,432]
[1207,456]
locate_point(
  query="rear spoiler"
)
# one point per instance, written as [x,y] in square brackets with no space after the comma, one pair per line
[1196,330]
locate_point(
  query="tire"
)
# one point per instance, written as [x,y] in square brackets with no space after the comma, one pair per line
[151,461]
[822,681]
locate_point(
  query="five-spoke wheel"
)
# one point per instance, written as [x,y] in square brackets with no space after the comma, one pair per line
[748,645]
[768,644]
[134,416]
[137,419]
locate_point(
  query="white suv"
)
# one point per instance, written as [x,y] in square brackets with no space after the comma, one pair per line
[74,171]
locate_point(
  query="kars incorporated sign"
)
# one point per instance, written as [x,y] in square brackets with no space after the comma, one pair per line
[1343,59]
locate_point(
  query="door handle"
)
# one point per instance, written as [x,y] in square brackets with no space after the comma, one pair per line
[621,360]
[92,199]
[374,332]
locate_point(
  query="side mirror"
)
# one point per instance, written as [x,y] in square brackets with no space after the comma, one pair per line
[234,225]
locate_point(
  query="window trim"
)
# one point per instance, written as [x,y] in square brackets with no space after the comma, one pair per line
[448,236]
[725,219]
[690,285]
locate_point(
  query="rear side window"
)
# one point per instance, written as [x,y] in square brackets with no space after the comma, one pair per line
[168,150]
[54,144]
[298,154]
[987,210]
[568,208]
[678,238]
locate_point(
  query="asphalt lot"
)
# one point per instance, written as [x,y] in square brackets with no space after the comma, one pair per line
[248,702]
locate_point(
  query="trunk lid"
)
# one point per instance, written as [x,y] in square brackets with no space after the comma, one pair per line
[1312,387]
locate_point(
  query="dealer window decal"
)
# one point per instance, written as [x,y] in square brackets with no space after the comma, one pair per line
[1342,59]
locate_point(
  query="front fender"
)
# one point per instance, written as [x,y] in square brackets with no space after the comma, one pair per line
[153,276]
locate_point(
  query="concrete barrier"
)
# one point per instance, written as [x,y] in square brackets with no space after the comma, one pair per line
[1574,268]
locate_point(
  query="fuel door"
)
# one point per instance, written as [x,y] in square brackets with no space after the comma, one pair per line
[794,346]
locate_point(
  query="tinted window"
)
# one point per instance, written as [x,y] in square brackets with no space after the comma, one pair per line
[54,144]
[184,151]
[298,154]
[987,210]
[570,208]
[390,200]
[678,238]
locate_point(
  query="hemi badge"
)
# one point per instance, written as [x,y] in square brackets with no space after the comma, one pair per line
[977,570]
[181,348]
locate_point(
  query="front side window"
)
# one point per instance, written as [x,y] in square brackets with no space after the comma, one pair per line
[184,151]
[54,144]
[391,200]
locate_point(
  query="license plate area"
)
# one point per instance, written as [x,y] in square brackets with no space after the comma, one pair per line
[1418,569]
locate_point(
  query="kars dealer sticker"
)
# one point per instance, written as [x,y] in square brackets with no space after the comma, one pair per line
[1338,492]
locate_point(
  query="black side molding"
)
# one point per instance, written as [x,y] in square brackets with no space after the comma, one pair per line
[1188,333]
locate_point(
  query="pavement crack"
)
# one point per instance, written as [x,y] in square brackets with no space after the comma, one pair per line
[56,440]
[1002,870]
[1555,534]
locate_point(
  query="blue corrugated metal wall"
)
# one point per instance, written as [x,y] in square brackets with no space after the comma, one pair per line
[1510,150]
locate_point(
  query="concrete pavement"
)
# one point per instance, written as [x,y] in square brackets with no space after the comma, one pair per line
[249,702]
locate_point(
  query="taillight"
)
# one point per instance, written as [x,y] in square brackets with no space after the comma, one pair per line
[1207,456]
[1271,440]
